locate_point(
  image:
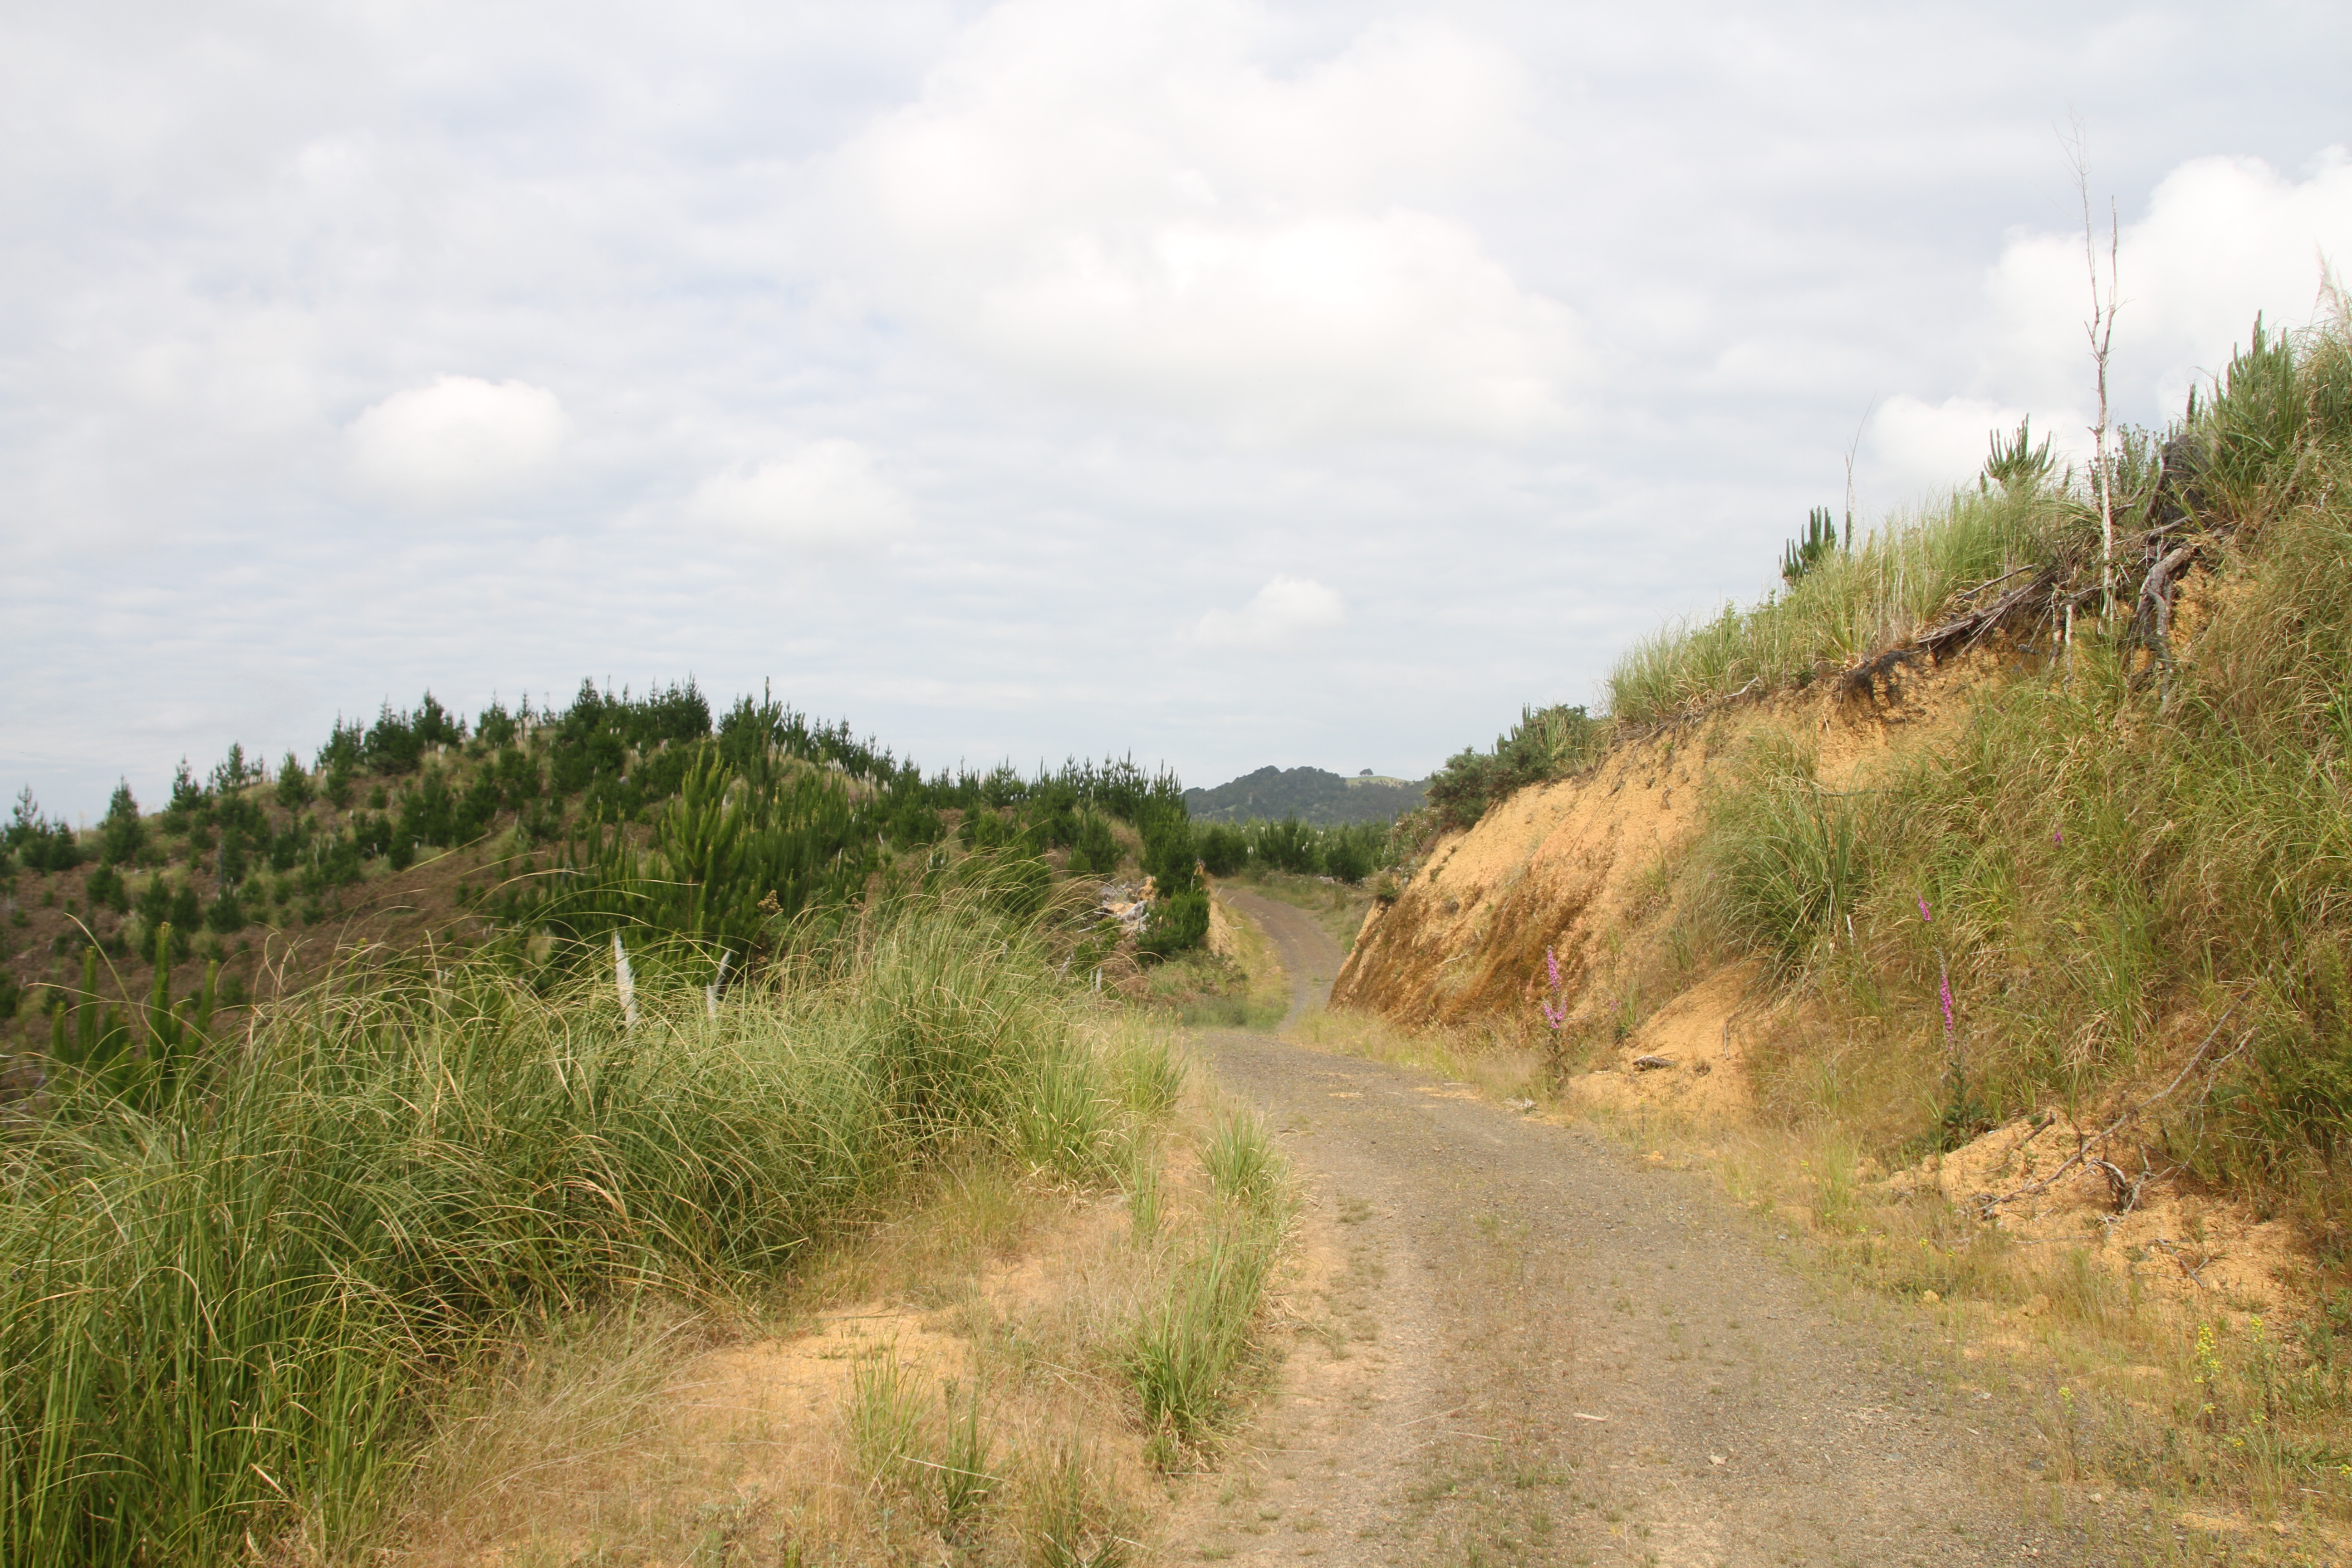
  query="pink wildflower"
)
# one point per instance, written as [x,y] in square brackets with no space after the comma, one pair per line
[1557,1017]
[1924,916]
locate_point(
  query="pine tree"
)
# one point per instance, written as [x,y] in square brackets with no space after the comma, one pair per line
[293,783]
[122,836]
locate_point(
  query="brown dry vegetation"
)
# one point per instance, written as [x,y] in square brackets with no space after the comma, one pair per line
[956,1384]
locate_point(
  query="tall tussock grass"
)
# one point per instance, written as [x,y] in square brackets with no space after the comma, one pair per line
[222,1322]
[1190,1344]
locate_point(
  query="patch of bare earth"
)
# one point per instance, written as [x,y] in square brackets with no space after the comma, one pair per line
[691,1440]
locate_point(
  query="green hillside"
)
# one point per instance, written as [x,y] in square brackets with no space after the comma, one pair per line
[1310,795]
[540,833]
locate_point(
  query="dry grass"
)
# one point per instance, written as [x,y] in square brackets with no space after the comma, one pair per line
[1507,1064]
[960,1383]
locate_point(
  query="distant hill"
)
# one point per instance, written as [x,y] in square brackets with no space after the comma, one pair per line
[1309,794]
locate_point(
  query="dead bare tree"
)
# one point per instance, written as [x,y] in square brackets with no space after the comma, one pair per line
[1853,447]
[2102,329]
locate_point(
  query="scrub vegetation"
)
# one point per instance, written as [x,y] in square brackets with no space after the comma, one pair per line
[2142,830]
[545,833]
[705,1005]
[234,1302]
[1348,852]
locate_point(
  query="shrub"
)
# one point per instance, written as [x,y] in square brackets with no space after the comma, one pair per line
[1546,743]
[105,889]
[1093,847]
[1288,845]
[189,803]
[496,727]
[39,844]
[225,914]
[293,783]
[1178,921]
[1224,848]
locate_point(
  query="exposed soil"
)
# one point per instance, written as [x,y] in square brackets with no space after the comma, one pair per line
[1568,866]
[1518,1343]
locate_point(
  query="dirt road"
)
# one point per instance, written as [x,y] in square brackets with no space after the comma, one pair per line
[1524,1345]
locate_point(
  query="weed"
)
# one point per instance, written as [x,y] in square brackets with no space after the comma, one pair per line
[1243,1165]
[1071,1520]
[964,1481]
[1191,1343]
[884,1414]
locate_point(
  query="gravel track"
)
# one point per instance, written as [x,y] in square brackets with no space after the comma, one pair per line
[1518,1343]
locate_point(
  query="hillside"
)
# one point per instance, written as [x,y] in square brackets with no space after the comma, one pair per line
[1976,906]
[1310,795]
[541,833]
[2020,921]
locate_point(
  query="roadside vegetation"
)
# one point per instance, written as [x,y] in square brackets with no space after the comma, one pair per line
[2141,834]
[1546,743]
[239,1301]
[687,1018]
[1345,852]
[2142,827]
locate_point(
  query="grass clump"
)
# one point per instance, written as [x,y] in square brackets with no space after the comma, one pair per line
[1191,1343]
[225,1320]
[1848,605]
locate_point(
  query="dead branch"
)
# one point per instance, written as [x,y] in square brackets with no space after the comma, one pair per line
[2151,624]
[1965,630]
[1864,680]
[2083,1155]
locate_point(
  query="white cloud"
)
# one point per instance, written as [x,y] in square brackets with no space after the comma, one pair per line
[1919,450]
[826,496]
[460,440]
[2220,239]
[1284,609]
[1127,201]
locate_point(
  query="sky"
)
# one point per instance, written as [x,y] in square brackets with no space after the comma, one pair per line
[1222,383]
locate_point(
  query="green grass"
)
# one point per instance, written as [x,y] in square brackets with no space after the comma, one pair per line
[1192,1343]
[1849,607]
[231,1320]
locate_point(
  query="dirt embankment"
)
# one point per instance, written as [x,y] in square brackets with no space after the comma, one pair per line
[1590,870]
[1581,867]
